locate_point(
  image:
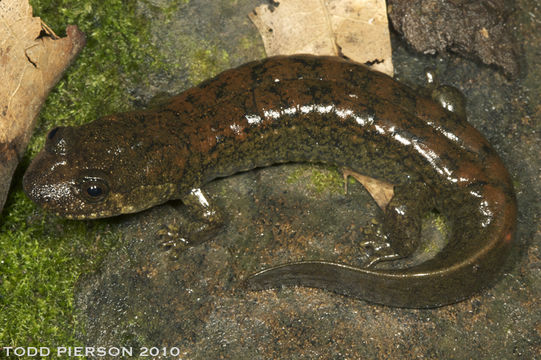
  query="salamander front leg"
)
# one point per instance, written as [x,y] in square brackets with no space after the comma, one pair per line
[200,223]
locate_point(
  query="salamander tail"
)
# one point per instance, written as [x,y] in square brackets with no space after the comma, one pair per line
[417,287]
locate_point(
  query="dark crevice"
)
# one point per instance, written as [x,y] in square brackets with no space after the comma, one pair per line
[375,61]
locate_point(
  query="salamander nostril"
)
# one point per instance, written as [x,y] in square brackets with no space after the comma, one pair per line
[52,133]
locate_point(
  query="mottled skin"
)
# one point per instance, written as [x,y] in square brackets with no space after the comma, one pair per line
[300,109]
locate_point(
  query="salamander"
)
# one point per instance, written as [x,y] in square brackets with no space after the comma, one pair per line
[300,109]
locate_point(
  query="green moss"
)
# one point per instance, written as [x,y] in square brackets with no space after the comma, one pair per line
[42,258]
[249,43]
[330,180]
[206,62]
[168,9]
[436,222]
[517,186]
[295,176]
[321,178]
[440,222]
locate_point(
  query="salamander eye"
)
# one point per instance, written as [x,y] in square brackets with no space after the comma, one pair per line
[94,189]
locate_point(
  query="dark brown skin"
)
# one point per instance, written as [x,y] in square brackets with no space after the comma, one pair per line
[300,109]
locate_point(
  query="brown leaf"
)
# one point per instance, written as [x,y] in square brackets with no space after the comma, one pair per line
[357,29]
[381,191]
[32,59]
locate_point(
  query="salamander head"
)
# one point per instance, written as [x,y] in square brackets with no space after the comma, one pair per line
[94,171]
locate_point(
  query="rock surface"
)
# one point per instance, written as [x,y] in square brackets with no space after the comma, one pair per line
[473,29]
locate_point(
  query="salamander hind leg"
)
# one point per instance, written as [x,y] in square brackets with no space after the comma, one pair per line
[200,222]
[398,234]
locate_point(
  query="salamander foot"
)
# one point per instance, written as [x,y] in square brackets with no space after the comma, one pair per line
[200,222]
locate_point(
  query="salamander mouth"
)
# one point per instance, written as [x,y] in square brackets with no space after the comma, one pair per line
[81,210]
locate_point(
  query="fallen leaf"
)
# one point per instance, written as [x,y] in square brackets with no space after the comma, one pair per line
[381,191]
[356,29]
[32,59]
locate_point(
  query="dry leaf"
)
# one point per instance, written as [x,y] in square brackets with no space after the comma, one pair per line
[382,192]
[357,29]
[32,59]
